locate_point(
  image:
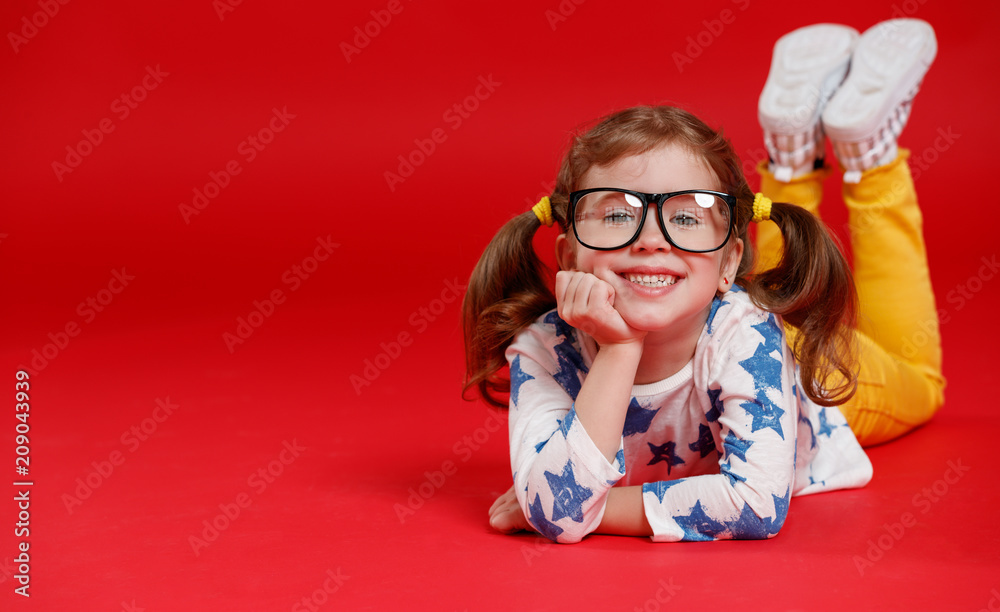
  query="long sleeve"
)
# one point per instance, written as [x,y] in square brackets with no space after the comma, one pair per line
[719,447]
[771,441]
[560,477]
[750,405]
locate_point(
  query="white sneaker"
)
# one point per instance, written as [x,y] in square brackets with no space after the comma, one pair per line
[868,112]
[807,67]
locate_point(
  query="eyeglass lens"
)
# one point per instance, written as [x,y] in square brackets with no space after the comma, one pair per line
[694,221]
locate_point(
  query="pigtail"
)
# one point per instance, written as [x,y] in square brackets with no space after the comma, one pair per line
[812,288]
[506,293]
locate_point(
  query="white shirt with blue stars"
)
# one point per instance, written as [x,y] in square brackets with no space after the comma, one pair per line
[719,448]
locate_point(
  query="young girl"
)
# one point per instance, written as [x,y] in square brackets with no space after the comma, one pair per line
[662,396]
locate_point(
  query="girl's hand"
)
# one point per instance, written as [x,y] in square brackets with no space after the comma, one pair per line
[588,303]
[506,515]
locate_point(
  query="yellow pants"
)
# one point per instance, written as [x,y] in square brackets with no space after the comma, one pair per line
[900,385]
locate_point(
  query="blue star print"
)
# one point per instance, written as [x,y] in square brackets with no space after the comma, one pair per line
[766,373]
[517,378]
[563,328]
[781,510]
[569,358]
[748,525]
[540,523]
[705,443]
[765,414]
[620,458]
[772,334]
[664,452]
[567,422]
[569,496]
[812,434]
[698,526]
[659,488]
[717,407]
[637,419]
[795,388]
[567,375]
[736,447]
[726,469]
[717,303]
[765,369]
[825,429]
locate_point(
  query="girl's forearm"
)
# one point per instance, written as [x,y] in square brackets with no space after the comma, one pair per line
[604,397]
[624,514]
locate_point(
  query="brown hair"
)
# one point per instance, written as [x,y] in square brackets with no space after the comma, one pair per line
[811,287]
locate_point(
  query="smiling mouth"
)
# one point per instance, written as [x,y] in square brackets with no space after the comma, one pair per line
[651,280]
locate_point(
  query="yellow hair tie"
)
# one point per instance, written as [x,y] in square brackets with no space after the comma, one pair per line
[543,210]
[761,208]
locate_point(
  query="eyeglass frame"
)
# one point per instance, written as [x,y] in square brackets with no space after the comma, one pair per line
[647,199]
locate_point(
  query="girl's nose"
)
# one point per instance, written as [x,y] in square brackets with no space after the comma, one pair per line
[651,236]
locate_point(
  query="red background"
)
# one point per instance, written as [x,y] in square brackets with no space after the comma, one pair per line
[126,542]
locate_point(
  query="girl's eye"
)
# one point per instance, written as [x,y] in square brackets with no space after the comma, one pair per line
[685,218]
[618,216]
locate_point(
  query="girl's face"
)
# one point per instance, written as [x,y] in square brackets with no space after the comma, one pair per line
[684,284]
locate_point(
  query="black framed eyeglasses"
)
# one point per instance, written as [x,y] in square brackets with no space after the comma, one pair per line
[608,218]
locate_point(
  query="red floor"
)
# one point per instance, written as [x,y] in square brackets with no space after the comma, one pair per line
[240,307]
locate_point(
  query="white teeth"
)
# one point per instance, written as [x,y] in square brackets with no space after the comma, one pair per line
[652,280]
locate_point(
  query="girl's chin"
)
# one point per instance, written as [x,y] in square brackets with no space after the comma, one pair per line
[661,317]
[647,321]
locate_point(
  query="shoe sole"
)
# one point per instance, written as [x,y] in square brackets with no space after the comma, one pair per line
[807,66]
[890,60]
